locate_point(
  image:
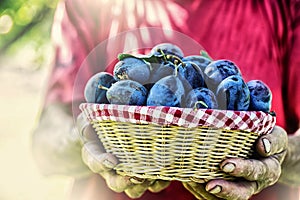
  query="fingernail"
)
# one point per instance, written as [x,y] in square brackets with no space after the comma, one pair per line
[228,167]
[215,190]
[136,180]
[108,164]
[197,180]
[267,145]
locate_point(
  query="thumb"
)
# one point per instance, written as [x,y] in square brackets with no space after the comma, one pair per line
[273,143]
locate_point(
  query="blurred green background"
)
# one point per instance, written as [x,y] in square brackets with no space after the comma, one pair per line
[26,55]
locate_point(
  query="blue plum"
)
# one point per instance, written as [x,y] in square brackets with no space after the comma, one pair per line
[167,49]
[93,93]
[164,69]
[260,96]
[191,74]
[233,94]
[132,68]
[201,98]
[199,60]
[127,92]
[168,91]
[218,70]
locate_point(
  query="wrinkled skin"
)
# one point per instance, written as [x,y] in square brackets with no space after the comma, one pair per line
[257,173]
[62,148]
[102,163]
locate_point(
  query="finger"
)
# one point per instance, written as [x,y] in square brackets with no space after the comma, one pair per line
[96,159]
[85,129]
[81,122]
[231,190]
[158,186]
[273,143]
[137,190]
[199,191]
[89,133]
[115,181]
[266,169]
[193,190]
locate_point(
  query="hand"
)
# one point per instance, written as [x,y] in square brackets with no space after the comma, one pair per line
[56,143]
[257,173]
[103,163]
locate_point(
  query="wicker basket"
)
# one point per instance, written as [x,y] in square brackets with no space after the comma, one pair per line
[175,143]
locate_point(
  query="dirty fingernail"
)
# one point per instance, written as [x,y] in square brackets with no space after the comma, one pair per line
[267,145]
[228,167]
[108,164]
[215,190]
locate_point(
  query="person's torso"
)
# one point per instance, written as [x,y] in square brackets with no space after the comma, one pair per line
[250,33]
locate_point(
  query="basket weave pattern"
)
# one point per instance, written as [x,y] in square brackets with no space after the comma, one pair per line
[175,143]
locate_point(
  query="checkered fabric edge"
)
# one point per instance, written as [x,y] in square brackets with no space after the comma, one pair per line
[252,121]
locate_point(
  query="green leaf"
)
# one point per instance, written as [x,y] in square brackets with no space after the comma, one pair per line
[122,56]
[146,58]
[205,54]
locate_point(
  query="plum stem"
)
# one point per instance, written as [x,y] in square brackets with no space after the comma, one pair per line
[163,54]
[102,87]
[200,102]
[175,58]
[176,68]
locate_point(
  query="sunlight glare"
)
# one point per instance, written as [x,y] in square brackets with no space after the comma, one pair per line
[6,24]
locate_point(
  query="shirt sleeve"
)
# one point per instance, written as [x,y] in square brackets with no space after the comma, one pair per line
[70,51]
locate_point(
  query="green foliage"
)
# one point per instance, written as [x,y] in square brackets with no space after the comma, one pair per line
[23,22]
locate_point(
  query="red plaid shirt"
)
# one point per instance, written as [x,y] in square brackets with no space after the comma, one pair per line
[261,37]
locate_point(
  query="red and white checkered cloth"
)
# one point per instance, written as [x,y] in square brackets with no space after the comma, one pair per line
[252,121]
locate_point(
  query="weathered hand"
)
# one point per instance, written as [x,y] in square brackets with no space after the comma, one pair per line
[103,163]
[256,174]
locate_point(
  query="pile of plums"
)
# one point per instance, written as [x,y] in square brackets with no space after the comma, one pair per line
[165,77]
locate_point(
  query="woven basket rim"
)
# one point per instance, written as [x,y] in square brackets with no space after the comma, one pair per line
[85,104]
[251,121]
